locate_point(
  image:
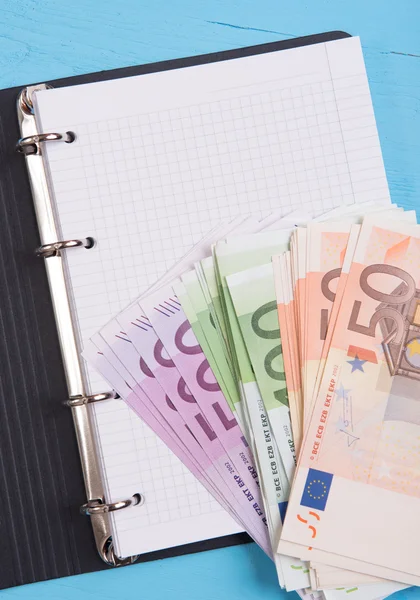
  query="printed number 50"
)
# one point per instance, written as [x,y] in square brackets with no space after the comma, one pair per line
[408,290]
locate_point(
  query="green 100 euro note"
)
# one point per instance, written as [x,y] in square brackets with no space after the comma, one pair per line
[232,256]
[254,300]
[253,297]
[204,328]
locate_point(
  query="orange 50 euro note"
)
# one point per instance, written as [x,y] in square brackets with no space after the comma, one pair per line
[357,488]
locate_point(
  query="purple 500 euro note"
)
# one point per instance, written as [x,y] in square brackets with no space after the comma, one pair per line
[149,395]
[99,355]
[169,321]
[228,481]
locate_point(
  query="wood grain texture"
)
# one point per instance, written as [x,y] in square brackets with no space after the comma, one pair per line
[46,39]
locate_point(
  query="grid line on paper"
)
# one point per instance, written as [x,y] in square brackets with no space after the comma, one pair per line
[148,186]
[337,80]
[341,129]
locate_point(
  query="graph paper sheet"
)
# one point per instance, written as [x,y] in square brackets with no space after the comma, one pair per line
[159,159]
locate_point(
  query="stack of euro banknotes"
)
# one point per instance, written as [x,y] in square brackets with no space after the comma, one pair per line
[280,361]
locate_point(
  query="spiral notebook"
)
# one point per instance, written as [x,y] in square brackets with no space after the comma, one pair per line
[155,156]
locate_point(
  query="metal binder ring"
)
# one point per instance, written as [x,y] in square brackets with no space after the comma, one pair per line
[97,507]
[83,400]
[48,250]
[108,555]
[30,144]
[26,101]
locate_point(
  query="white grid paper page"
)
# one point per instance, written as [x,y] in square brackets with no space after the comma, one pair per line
[161,158]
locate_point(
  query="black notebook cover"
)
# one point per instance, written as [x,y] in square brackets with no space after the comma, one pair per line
[42,533]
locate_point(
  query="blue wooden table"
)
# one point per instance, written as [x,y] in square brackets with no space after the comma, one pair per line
[46,39]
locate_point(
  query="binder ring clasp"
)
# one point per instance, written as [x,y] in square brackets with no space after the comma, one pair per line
[30,144]
[97,507]
[83,400]
[55,248]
